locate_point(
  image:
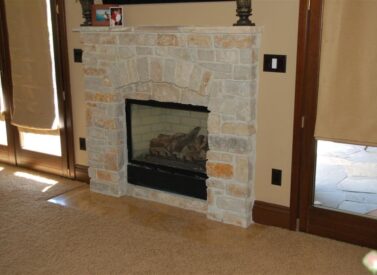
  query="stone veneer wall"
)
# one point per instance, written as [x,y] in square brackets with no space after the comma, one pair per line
[215,67]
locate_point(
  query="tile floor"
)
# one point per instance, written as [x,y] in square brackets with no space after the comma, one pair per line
[346,178]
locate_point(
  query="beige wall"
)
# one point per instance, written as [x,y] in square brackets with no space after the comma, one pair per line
[74,19]
[276,92]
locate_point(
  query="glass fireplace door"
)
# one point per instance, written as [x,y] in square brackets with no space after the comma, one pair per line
[167,137]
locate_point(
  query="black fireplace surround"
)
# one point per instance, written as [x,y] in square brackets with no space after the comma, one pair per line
[159,170]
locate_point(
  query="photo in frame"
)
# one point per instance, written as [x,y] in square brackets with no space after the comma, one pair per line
[101,15]
[131,2]
[116,17]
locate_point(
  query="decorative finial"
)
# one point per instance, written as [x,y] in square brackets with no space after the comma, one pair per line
[243,12]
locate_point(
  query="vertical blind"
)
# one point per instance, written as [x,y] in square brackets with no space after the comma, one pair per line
[31,62]
[347,99]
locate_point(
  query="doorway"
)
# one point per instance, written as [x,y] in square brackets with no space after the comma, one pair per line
[49,150]
[346,214]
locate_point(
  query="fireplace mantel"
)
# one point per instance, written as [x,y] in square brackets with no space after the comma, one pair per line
[175,29]
[214,67]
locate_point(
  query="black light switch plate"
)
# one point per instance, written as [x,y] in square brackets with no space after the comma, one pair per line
[276,177]
[275,63]
[77,55]
[82,144]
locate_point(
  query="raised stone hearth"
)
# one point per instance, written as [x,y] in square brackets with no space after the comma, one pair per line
[215,67]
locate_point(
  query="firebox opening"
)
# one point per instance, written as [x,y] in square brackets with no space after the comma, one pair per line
[167,146]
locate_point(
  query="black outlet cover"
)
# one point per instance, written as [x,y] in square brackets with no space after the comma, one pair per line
[77,55]
[275,63]
[82,144]
[276,177]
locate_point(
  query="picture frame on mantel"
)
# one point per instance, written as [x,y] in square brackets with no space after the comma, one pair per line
[101,15]
[132,2]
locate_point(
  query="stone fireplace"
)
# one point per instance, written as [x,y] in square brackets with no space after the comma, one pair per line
[212,67]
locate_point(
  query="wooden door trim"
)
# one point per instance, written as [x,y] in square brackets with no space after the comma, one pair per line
[305,109]
[344,227]
[303,29]
[61,42]
[7,86]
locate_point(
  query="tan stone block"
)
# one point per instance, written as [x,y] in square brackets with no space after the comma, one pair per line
[237,190]
[219,170]
[242,169]
[108,39]
[111,161]
[131,66]
[107,49]
[227,157]
[144,50]
[138,39]
[167,40]
[232,204]
[89,48]
[230,144]
[183,72]
[112,123]
[193,98]
[212,194]
[89,117]
[215,183]
[234,41]
[239,129]
[143,68]
[206,55]
[89,38]
[169,70]
[106,82]
[213,123]
[234,219]
[156,69]
[104,175]
[218,67]
[89,60]
[140,96]
[227,56]
[195,78]
[180,53]
[125,52]
[165,92]
[102,97]
[211,199]
[243,72]
[215,214]
[200,41]
[206,77]
[96,133]
[213,156]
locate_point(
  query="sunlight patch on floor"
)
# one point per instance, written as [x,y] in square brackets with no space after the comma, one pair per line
[39,179]
[1,168]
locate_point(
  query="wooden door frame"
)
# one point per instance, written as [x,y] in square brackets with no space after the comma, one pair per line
[63,81]
[63,85]
[5,66]
[323,222]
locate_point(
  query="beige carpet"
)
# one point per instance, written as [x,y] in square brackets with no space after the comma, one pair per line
[38,237]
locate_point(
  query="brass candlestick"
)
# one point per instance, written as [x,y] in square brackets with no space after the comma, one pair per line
[86,6]
[243,12]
